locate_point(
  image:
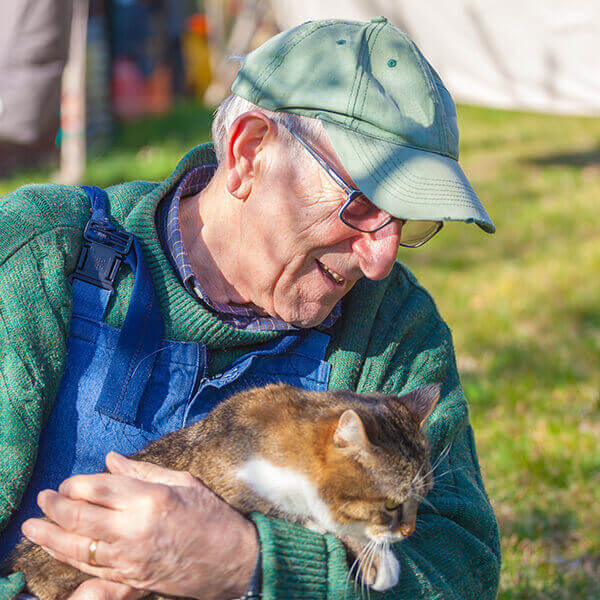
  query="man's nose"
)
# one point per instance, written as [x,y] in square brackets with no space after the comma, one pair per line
[377,251]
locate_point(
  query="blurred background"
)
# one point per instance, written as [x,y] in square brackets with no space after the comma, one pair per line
[103,91]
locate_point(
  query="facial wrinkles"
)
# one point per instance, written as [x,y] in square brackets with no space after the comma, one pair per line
[302,225]
[320,202]
[327,238]
[375,253]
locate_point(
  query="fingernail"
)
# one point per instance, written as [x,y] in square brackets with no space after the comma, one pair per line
[41,497]
[28,528]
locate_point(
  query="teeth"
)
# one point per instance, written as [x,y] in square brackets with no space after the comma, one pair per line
[337,278]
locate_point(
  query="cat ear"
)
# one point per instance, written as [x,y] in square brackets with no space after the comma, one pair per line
[422,401]
[350,432]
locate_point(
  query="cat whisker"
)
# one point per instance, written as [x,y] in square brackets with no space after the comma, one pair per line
[368,563]
[375,548]
[443,486]
[354,566]
[349,575]
[443,454]
[445,451]
[453,470]
[427,503]
[364,570]
[416,475]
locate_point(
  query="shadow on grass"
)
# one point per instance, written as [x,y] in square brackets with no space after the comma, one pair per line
[548,524]
[584,158]
[577,586]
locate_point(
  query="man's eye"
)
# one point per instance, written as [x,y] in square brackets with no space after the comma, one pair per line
[360,206]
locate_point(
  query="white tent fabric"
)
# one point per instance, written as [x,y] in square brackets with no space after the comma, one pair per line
[517,54]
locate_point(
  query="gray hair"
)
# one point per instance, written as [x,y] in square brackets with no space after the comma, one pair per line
[233,106]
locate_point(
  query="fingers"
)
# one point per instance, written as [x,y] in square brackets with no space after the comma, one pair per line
[98,589]
[78,516]
[104,489]
[66,546]
[149,472]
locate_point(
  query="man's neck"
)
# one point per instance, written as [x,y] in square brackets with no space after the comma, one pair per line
[206,220]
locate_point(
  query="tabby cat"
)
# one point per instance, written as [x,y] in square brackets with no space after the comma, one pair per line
[348,464]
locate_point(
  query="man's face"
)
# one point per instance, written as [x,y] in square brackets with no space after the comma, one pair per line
[293,236]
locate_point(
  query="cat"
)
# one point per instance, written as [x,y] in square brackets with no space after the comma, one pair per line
[336,462]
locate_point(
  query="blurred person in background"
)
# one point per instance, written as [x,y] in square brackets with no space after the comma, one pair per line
[34,41]
[270,255]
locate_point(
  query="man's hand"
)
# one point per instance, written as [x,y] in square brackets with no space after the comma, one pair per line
[157,529]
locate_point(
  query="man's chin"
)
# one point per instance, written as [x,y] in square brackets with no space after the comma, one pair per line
[308,321]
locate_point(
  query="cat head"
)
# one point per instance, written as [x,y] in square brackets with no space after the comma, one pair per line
[378,466]
[354,465]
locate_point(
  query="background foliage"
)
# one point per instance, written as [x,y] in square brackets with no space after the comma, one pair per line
[524,306]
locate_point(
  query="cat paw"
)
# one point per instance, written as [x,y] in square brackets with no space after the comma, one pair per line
[388,572]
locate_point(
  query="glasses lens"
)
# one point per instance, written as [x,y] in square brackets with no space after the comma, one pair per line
[362,214]
[416,233]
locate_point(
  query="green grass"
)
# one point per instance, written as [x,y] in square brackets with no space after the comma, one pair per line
[524,307]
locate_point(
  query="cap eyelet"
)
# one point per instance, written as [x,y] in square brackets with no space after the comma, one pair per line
[341,42]
[392,62]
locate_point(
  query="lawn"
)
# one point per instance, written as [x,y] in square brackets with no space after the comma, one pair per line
[524,307]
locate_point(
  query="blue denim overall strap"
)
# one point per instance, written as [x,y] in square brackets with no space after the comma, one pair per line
[140,338]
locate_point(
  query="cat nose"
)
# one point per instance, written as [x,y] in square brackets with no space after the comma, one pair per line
[407,529]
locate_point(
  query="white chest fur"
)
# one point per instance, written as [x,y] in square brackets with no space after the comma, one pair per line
[296,495]
[288,489]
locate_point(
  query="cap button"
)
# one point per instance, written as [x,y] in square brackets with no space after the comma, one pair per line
[379,20]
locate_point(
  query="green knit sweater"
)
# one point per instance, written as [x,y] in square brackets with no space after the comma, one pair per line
[390,338]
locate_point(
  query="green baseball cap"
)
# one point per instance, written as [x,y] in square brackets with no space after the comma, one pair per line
[384,108]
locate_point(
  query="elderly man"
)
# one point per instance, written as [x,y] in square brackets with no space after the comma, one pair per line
[270,257]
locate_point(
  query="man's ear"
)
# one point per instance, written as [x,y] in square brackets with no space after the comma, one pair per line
[244,141]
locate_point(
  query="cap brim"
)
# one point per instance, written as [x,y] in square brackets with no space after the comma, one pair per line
[406,182]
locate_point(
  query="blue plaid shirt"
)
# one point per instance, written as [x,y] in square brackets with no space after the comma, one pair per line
[169,234]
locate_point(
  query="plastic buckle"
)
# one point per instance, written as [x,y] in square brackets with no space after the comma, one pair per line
[102,254]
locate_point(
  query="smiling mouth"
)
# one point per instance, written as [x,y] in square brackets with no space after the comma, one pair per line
[335,277]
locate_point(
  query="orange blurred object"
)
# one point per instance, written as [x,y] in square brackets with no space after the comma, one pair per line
[198,24]
[197,55]
[158,91]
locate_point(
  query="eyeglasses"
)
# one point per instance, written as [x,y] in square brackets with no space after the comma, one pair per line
[361,214]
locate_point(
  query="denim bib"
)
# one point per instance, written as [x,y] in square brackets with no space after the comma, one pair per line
[123,388]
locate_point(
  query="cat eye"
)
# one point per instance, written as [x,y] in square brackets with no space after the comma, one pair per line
[391,504]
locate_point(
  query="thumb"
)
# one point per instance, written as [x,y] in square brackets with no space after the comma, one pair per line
[98,589]
[145,471]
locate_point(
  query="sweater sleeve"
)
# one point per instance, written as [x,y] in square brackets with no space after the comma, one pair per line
[32,354]
[455,551]
[36,253]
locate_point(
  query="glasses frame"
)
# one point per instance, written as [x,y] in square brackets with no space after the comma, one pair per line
[352,193]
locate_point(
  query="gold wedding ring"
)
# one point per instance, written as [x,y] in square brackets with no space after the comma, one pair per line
[92,553]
